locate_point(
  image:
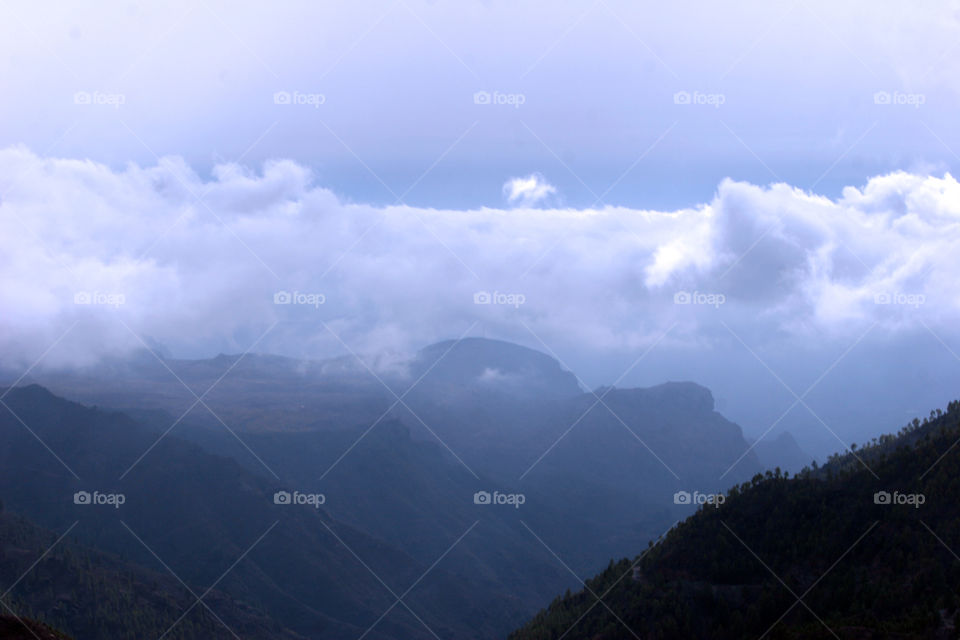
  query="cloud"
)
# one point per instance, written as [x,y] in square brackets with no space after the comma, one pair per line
[528,191]
[197,263]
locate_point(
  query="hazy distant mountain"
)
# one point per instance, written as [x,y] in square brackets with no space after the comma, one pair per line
[274,393]
[598,472]
[501,409]
[249,392]
[618,458]
[413,495]
[93,594]
[480,366]
[201,513]
[783,452]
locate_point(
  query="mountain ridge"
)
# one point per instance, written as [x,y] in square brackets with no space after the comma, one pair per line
[866,539]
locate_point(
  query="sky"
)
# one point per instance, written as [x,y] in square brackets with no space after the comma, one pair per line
[382,95]
[757,197]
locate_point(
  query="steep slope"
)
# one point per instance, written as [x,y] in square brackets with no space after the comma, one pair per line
[511,414]
[870,551]
[586,461]
[412,494]
[618,462]
[203,515]
[18,628]
[91,594]
[599,469]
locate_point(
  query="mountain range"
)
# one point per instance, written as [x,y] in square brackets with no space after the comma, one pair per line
[402,544]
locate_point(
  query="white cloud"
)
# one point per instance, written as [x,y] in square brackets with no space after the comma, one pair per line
[199,276]
[528,191]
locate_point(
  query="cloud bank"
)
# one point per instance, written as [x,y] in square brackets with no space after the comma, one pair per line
[195,264]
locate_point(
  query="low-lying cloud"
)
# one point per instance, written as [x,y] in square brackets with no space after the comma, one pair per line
[208,265]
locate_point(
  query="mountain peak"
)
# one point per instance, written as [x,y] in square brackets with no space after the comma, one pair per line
[781,451]
[496,363]
[32,392]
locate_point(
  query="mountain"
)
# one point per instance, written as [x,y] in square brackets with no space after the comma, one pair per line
[16,628]
[612,458]
[213,522]
[781,452]
[93,594]
[488,401]
[249,391]
[274,393]
[863,547]
[480,366]
[410,493]
[617,457]
[411,488]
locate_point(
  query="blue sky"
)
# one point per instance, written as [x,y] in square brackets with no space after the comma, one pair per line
[787,93]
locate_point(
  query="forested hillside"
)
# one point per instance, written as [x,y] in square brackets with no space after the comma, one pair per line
[864,547]
[97,595]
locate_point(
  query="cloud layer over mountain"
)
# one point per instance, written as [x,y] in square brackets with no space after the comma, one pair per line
[196,263]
